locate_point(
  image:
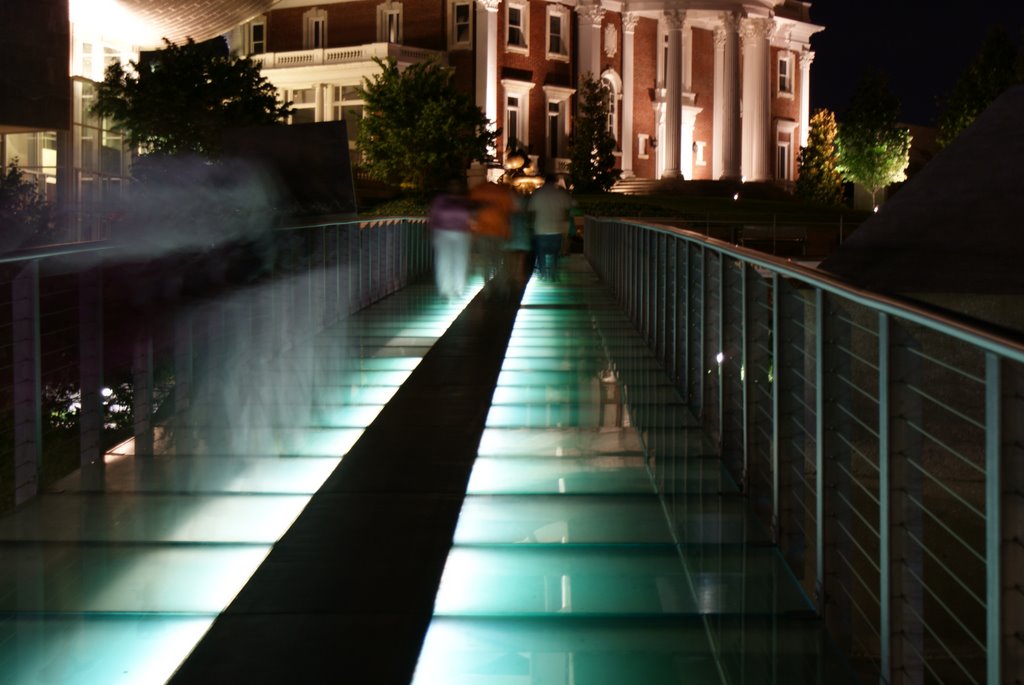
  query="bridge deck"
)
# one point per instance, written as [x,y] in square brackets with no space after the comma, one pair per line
[458,542]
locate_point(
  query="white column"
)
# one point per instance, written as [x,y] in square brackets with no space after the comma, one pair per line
[487,58]
[589,54]
[755,164]
[673,91]
[629,21]
[806,57]
[725,156]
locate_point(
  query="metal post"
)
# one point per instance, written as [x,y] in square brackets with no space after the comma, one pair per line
[776,345]
[820,304]
[90,356]
[142,386]
[28,437]
[884,504]
[993,519]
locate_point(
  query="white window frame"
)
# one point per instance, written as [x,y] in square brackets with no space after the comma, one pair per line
[560,12]
[642,146]
[784,74]
[521,90]
[785,132]
[698,147]
[614,83]
[251,43]
[561,97]
[524,29]
[390,15]
[453,25]
[314,29]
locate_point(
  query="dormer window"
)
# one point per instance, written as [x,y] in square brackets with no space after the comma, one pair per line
[314,29]
[389,22]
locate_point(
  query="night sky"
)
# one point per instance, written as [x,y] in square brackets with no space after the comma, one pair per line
[923,46]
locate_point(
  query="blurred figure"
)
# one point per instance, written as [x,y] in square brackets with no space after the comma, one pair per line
[519,245]
[494,204]
[550,205]
[451,223]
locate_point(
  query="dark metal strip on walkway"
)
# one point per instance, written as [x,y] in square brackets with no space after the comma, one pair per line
[347,593]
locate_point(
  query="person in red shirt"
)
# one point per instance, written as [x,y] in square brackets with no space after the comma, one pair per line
[494,204]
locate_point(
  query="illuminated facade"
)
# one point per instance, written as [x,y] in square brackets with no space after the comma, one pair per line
[716,92]
[53,51]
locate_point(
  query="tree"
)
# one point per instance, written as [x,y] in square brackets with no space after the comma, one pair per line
[997,66]
[25,215]
[181,98]
[419,132]
[873,150]
[820,180]
[592,152]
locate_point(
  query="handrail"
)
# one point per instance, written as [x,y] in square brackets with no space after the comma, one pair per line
[992,342]
[873,434]
[73,329]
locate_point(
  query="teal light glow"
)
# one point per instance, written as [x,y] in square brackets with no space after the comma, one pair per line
[115,579]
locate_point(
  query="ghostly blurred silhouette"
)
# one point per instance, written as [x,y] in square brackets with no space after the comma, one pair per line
[451,219]
[549,205]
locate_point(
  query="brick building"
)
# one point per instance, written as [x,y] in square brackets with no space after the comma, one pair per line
[739,108]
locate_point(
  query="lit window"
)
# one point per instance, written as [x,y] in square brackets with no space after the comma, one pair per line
[513,118]
[782,159]
[785,74]
[554,124]
[517,107]
[389,22]
[461,30]
[698,148]
[613,106]
[517,27]
[558,33]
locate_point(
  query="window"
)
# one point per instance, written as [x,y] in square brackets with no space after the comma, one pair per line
[518,28]
[558,33]
[642,141]
[314,29]
[513,118]
[610,81]
[554,117]
[257,36]
[785,73]
[517,108]
[348,107]
[389,22]
[698,149]
[782,159]
[304,106]
[460,32]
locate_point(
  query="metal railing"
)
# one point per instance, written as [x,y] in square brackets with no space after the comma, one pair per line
[98,345]
[883,442]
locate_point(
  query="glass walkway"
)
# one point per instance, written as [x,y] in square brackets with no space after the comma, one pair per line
[567,566]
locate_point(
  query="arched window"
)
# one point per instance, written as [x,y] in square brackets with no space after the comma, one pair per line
[614,84]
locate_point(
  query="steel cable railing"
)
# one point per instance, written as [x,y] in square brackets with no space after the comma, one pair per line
[98,345]
[883,443]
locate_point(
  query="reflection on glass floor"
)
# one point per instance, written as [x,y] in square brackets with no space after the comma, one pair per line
[115,575]
[567,568]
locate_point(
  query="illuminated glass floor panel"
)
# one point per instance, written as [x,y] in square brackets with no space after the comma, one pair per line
[115,573]
[568,567]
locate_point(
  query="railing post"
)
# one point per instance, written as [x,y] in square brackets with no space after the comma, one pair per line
[142,387]
[884,504]
[90,356]
[900,517]
[820,304]
[776,397]
[1004,503]
[993,520]
[28,436]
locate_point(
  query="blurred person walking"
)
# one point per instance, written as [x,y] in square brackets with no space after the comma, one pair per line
[550,205]
[494,204]
[451,223]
